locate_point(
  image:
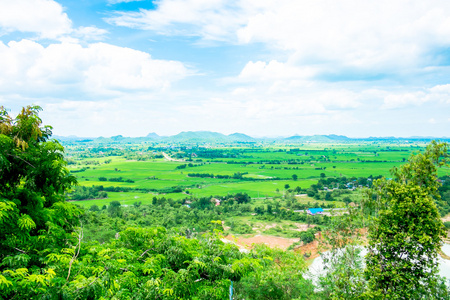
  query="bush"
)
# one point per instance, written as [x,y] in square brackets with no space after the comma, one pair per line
[447,225]
[307,237]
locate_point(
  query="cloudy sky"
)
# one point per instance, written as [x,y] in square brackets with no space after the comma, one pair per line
[261,67]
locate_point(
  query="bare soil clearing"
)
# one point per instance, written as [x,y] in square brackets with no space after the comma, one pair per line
[271,241]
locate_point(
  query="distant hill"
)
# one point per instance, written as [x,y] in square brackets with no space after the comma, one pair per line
[153,136]
[240,137]
[71,138]
[216,137]
[198,137]
[411,138]
[318,138]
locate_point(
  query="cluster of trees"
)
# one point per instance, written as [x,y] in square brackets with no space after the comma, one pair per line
[116,179]
[43,253]
[237,175]
[85,192]
[444,192]
[49,250]
[116,189]
[213,153]
[184,166]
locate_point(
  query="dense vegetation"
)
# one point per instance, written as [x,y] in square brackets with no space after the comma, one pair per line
[171,247]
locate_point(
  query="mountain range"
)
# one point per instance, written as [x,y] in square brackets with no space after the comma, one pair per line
[216,137]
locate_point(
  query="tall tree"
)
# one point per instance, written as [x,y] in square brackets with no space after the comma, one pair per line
[406,234]
[34,216]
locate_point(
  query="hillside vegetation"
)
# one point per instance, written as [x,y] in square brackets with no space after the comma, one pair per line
[164,239]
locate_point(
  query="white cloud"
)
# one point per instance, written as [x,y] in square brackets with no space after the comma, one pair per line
[261,71]
[44,17]
[282,82]
[122,1]
[438,94]
[404,100]
[90,33]
[264,116]
[376,36]
[69,69]
[210,19]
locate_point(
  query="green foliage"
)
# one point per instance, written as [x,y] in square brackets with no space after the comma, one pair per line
[407,232]
[447,225]
[239,227]
[307,237]
[142,264]
[34,216]
[160,250]
[344,276]
[84,192]
[114,209]
[280,275]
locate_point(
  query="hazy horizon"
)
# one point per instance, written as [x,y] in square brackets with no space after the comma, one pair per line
[253,136]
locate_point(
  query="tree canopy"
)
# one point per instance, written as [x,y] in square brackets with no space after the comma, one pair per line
[406,235]
[34,216]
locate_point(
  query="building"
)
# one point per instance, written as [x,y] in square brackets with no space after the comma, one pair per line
[314,211]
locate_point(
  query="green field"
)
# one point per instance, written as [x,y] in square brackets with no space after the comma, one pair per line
[264,170]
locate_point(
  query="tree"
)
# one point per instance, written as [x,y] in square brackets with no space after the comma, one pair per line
[279,276]
[294,177]
[114,209]
[94,208]
[307,237]
[406,234]
[344,276]
[35,219]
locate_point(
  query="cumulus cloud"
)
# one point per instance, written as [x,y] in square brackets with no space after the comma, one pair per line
[274,70]
[43,17]
[46,19]
[275,81]
[27,67]
[380,36]
[209,19]
[90,33]
[437,94]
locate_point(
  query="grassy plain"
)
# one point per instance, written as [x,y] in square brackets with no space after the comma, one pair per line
[266,170]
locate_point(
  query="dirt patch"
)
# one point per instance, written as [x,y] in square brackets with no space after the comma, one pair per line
[271,241]
[302,227]
[310,251]
[273,225]
[313,249]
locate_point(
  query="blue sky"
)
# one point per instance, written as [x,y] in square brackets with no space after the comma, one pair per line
[261,67]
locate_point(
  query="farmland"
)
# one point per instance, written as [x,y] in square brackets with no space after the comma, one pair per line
[178,185]
[140,171]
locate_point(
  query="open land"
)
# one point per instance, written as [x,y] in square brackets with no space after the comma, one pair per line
[275,175]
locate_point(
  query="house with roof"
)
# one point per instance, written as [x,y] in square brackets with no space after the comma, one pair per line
[215,201]
[314,211]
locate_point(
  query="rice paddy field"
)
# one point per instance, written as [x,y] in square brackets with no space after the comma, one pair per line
[262,171]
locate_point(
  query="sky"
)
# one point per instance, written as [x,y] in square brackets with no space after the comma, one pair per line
[358,68]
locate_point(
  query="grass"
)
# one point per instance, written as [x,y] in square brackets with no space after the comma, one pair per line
[334,160]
